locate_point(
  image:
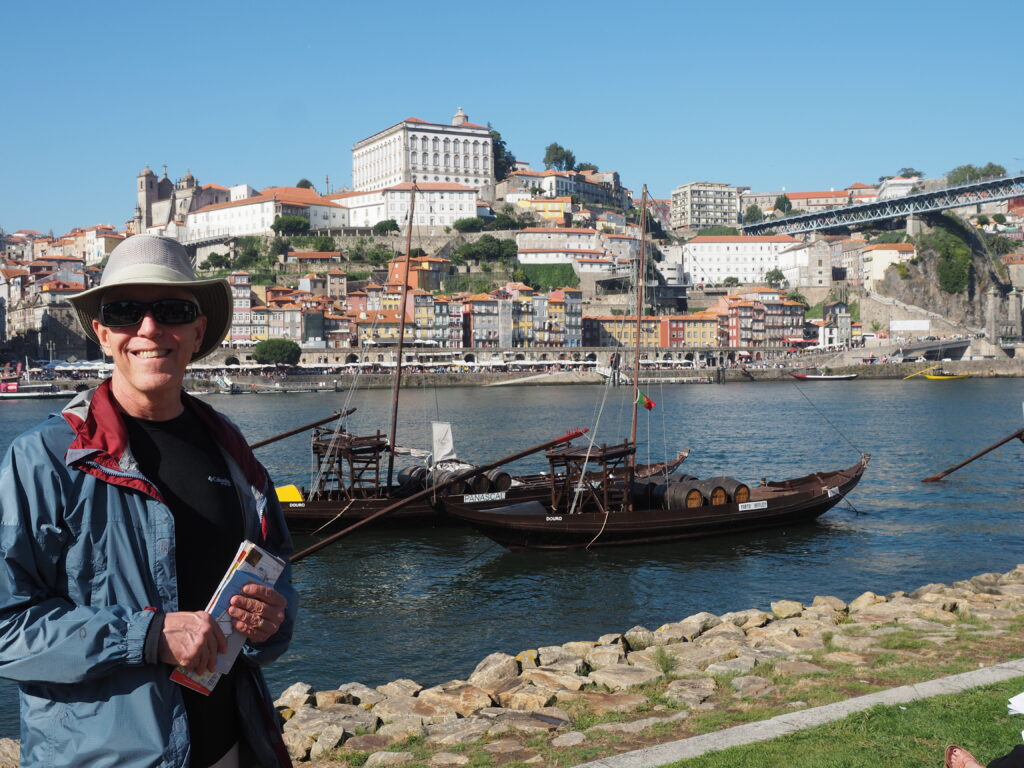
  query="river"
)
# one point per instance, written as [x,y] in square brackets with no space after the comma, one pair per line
[428,605]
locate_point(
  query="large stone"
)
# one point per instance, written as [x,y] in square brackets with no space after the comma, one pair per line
[753,687]
[369,742]
[752,617]
[411,706]
[328,699]
[797,644]
[527,659]
[526,696]
[799,668]
[865,600]
[295,696]
[845,657]
[493,671]
[459,695]
[690,692]
[462,731]
[389,759]
[685,657]
[298,744]
[402,728]
[403,687]
[570,739]
[612,638]
[830,602]
[787,609]
[638,638]
[603,703]
[557,658]
[328,741]
[347,716]
[542,720]
[687,629]
[579,647]
[624,676]
[853,642]
[638,726]
[447,760]
[364,695]
[553,679]
[722,636]
[503,746]
[605,656]
[739,664]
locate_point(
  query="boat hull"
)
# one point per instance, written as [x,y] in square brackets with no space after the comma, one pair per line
[535,526]
[823,377]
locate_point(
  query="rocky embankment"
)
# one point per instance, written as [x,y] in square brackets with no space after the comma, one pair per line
[565,704]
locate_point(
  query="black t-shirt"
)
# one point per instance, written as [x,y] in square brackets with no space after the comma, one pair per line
[180,457]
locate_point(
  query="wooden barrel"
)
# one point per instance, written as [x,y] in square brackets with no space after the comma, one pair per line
[479,484]
[412,477]
[713,491]
[684,495]
[440,476]
[736,491]
[499,479]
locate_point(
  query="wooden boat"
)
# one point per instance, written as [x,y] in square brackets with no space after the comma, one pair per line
[596,498]
[943,376]
[16,390]
[823,376]
[603,507]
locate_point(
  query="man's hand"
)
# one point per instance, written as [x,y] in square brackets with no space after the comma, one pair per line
[191,639]
[258,612]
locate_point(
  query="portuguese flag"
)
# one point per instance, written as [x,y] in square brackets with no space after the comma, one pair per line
[644,400]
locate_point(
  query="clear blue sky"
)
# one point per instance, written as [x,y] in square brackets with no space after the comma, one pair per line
[800,95]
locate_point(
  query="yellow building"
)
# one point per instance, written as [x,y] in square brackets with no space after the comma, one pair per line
[553,209]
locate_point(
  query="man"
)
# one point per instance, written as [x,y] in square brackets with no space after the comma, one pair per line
[118,518]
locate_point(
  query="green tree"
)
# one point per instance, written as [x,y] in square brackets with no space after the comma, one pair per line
[964,174]
[277,352]
[558,157]
[279,246]
[782,204]
[953,266]
[587,167]
[216,261]
[471,224]
[982,220]
[717,231]
[998,218]
[753,214]
[1003,245]
[504,161]
[503,221]
[731,281]
[290,225]
[304,184]
[774,276]
[797,296]
[909,173]
[385,227]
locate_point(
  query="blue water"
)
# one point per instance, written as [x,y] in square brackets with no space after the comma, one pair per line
[428,605]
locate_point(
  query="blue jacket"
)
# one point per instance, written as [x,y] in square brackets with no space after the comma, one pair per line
[86,554]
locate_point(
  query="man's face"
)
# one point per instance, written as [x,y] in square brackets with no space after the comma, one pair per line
[150,358]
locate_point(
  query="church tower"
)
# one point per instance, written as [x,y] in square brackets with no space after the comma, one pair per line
[460,117]
[146,194]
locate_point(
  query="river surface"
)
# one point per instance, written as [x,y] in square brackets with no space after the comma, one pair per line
[429,604]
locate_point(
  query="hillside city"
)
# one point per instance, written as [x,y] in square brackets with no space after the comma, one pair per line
[502,256]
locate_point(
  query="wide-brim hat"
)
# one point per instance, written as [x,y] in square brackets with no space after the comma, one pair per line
[152,260]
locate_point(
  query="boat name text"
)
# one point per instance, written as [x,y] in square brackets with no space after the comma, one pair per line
[753,505]
[471,498]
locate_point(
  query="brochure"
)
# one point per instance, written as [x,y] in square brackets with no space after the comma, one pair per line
[251,564]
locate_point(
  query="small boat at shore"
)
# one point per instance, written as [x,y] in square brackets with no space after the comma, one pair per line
[822,376]
[943,376]
[16,390]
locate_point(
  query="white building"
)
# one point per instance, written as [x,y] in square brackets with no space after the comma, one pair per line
[704,204]
[711,259]
[436,205]
[255,215]
[877,258]
[807,265]
[898,186]
[415,150]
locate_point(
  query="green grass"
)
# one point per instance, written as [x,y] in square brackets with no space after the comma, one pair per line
[906,736]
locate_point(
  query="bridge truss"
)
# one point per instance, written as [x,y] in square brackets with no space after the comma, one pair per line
[959,196]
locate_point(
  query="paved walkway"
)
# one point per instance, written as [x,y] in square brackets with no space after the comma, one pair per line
[765,730]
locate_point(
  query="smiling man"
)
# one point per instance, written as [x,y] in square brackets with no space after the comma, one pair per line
[118,518]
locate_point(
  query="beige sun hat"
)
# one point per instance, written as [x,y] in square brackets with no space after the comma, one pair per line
[152,260]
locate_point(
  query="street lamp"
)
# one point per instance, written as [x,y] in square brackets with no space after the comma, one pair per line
[50,346]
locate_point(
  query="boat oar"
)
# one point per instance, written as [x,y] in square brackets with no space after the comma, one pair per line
[470,473]
[923,370]
[290,432]
[1019,433]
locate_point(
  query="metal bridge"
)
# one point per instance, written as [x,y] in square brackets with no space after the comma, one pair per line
[959,196]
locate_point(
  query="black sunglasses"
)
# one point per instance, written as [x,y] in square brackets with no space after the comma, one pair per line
[121,314]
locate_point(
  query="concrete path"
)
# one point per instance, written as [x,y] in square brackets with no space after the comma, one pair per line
[765,730]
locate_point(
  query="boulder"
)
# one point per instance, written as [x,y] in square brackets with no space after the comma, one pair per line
[389,759]
[528,659]
[554,679]
[865,600]
[459,695]
[556,657]
[690,692]
[579,648]
[752,617]
[526,696]
[494,670]
[542,720]
[298,744]
[447,760]
[753,687]
[612,638]
[364,695]
[328,699]
[622,676]
[845,657]
[787,609]
[830,602]
[366,742]
[462,731]
[605,656]
[799,668]
[686,657]
[570,739]
[329,740]
[428,712]
[312,722]
[402,728]
[853,642]
[638,726]
[638,638]
[687,629]
[10,753]
[401,687]
[503,746]
[739,664]
[602,703]
[295,696]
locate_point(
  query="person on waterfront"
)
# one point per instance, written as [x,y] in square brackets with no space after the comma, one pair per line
[958,757]
[119,517]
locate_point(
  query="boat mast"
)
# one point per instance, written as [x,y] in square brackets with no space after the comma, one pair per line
[640,274]
[397,380]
